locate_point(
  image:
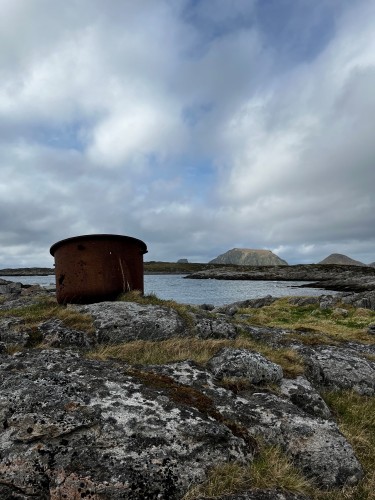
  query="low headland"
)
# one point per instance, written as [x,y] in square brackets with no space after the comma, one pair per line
[135,398]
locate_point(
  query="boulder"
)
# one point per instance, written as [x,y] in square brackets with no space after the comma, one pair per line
[10,287]
[117,322]
[301,393]
[339,368]
[245,364]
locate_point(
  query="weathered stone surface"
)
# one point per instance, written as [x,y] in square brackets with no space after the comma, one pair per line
[340,368]
[72,425]
[341,278]
[302,394]
[315,445]
[231,309]
[55,334]
[11,332]
[10,287]
[214,328]
[117,322]
[245,364]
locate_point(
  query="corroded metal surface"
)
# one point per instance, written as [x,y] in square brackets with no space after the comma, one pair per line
[97,267]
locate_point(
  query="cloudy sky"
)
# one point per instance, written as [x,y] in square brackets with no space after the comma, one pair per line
[194,125]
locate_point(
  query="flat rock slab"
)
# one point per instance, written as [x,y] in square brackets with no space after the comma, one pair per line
[72,425]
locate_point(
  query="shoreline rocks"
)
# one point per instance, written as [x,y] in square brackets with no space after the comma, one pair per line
[72,425]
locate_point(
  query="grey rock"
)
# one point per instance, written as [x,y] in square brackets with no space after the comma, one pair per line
[10,287]
[231,309]
[56,334]
[363,299]
[340,368]
[340,312]
[242,363]
[73,425]
[304,301]
[302,394]
[207,307]
[11,332]
[371,329]
[117,322]
[316,446]
[216,328]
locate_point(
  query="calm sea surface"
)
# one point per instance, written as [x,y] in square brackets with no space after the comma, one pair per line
[187,291]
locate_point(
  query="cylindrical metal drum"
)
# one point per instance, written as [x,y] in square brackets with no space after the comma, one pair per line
[97,267]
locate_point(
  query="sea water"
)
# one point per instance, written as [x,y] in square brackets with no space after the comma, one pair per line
[202,291]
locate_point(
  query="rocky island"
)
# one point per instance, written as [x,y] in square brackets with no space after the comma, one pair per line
[143,398]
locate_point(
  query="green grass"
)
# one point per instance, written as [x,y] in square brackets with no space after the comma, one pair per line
[270,469]
[47,308]
[355,416]
[318,325]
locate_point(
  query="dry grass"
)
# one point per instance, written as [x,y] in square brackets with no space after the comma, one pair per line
[270,469]
[44,309]
[355,416]
[320,325]
[179,349]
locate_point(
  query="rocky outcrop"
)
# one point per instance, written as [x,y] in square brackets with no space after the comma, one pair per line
[329,277]
[73,427]
[27,271]
[342,260]
[249,257]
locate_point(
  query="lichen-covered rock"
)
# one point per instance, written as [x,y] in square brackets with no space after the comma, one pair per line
[302,394]
[340,368]
[56,334]
[10,287]
[315,445]
[74,428]
[11,333]
[213,328]
[117,322]
[243,363]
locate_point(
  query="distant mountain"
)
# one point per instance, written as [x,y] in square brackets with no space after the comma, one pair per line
[343,260]
[249,257]
[372,264]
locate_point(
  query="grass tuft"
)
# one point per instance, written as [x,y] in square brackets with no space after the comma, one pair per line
[47,308]
[271,469]
[318,326]
[178,349]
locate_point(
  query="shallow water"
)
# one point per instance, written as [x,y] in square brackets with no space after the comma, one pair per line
[192,291]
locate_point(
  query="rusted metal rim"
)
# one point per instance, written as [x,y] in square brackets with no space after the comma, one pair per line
[142,244]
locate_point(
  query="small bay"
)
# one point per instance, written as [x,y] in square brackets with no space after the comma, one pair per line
[208,291]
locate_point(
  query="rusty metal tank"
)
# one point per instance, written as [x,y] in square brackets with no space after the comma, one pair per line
[97,267]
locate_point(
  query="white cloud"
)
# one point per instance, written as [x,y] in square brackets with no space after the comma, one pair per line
[178,124]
